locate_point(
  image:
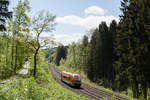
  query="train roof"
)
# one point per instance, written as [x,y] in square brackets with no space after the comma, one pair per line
[69,73]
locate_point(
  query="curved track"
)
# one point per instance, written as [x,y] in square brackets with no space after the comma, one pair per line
[85,90]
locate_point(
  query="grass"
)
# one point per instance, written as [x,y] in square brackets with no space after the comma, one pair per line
[87,81]
[41,88]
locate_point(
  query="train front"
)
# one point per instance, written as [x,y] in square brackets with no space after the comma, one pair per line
[77,80]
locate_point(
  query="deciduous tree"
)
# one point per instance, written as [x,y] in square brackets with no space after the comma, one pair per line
[42,22]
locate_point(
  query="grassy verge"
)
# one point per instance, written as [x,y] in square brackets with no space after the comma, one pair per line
[87,81]
[41,88]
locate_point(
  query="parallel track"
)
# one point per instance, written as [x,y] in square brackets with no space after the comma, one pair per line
[85,90]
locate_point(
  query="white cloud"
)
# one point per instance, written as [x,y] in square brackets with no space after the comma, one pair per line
[66,39]
[73,20]
[87,22]
[94,18]
[91,21]
[94,10]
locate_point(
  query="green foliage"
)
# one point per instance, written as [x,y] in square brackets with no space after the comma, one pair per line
[77,56]
[94,61]
[42,68]
[13,51]
[22,89]
[61,54]
[62,61]
[50,54]
[20,19]
[6,56]
[132,47]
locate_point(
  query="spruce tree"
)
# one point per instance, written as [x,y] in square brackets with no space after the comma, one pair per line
[132,45]
[61,54]
[122,46]
[103,29]
[4,14]
[93,60]
[112,36]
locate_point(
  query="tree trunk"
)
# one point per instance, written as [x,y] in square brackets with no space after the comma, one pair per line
[6,53]
[22,56]
[35,61]
[12,54]
[74,58]
[145,91]
[135,89]
[16,57]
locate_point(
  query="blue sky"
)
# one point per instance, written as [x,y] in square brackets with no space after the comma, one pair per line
[75,17]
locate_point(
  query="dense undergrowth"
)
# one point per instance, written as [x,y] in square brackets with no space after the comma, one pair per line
[41,88]
[12,57]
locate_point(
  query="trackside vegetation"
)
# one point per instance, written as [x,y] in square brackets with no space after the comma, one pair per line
[41,88]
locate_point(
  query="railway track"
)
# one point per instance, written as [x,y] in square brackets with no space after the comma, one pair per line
[85,90]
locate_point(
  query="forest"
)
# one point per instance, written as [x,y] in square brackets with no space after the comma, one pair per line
[115,56]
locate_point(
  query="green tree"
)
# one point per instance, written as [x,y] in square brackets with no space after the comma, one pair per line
[112,56]
[71,56]
[94,61]
[75,54]
[4,14]
[42,22]
[132,45]
[103,29]
[18,25]
[85,52]
[61,54]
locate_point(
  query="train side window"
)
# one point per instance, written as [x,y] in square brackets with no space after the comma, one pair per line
[69,78]
[64,77]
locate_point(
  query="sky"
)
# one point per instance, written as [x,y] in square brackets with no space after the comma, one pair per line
[75,18]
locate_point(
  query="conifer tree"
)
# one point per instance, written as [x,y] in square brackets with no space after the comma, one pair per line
[112,36]
[132,45]
[4,14]
[61,54]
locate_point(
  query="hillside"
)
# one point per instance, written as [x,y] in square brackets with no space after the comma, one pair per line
[41,88]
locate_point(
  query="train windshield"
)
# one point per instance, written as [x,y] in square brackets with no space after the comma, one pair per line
[77,77]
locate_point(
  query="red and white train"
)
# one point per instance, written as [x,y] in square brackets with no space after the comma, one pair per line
[71,79]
